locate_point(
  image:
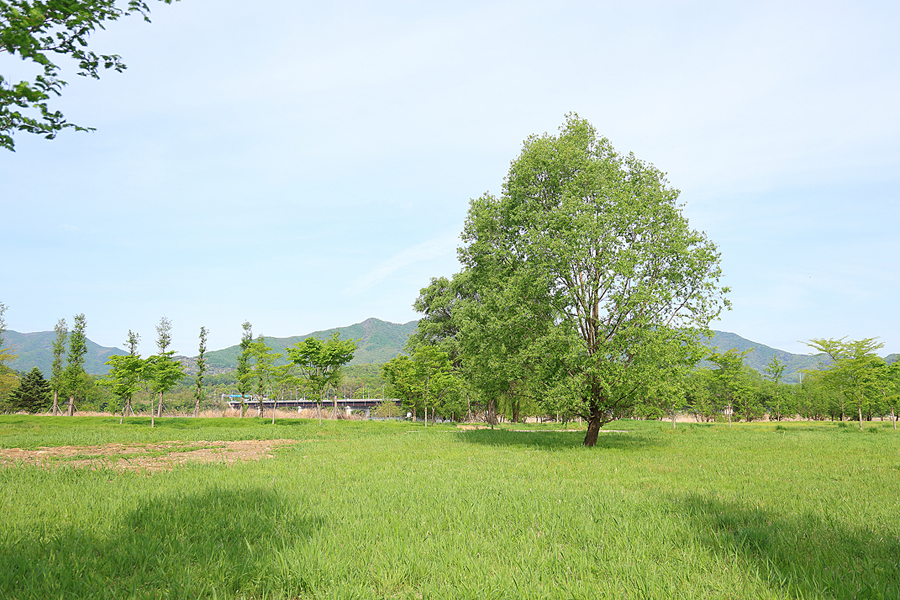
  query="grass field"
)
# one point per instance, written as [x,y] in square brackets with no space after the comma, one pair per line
[392,510]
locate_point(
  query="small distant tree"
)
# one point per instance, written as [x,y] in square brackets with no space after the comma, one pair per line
[321,362]
[75,376]
[56,368]
[731,382]
[201,370]
[889,385]
[263,368]
[126,373]
[403,381]
[33,393]
[439,381]
[775,371]
[244,370]
[160,369]
[387,410]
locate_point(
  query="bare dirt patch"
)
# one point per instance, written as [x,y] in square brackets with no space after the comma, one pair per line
[142,457]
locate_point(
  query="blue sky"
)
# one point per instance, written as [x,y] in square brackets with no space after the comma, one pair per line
[309,165]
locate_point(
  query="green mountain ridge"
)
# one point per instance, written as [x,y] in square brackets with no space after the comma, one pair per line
[36,350]
[380,341]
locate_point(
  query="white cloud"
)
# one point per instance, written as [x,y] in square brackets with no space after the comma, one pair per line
[437,248]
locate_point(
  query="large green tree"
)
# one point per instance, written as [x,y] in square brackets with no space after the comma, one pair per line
[42,32]
[587,253]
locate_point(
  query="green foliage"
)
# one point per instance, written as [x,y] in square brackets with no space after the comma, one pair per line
[386,410]
[162,372]
[8,378]
[244,370]
[201,371]
[74,378]
[321,361]
[583,276]
[264,369]
[854,369]
[40,31]
[125,375]
[33,394]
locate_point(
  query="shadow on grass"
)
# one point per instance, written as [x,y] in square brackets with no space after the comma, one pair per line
[182,546]
[800,555]
[554,440]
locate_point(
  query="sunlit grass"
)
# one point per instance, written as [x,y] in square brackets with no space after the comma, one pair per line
[392,510]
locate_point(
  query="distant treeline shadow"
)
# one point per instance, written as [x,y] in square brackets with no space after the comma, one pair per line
[802,555]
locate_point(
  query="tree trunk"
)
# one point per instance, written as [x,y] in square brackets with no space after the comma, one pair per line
[197,408]
[152,413]
[55,410]
[593,430]
[859,406]
[274,410]
[71,409]
[159,406]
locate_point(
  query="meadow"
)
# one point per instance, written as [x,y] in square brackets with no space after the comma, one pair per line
[393,510]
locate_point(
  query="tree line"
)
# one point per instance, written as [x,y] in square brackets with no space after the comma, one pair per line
[314,368]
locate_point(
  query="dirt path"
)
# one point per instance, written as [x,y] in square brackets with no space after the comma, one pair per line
[142,457]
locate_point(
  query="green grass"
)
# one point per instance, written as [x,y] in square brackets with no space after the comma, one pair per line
[391,510]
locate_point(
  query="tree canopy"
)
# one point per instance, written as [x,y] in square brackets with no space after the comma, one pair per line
[579,281]
[41,32]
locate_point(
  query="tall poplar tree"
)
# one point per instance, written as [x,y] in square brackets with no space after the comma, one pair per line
[244,369]
[75,376]
[56,368]
[201,370]
[164,372]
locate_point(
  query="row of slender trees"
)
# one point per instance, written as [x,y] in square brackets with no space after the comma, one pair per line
[313,367]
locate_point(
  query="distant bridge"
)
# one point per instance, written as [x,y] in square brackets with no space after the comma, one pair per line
[343,403]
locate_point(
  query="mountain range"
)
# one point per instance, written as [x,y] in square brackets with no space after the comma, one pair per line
[379,341]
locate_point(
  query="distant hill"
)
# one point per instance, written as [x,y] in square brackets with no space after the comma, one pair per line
[380,341]
[761,355]
[36,350]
